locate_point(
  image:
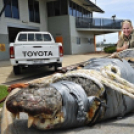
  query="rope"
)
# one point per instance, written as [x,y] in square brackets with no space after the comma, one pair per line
[108,76]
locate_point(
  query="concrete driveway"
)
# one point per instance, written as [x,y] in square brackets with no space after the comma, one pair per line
[7,75]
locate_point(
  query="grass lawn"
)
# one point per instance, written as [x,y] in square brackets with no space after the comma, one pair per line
[3,93]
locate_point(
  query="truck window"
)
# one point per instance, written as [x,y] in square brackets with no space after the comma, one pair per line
[22,37]
[38,37]
[47,37]
[30,37]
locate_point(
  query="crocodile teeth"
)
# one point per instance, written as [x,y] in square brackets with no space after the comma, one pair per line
[18,115]
[30,121]
[62,119]
[14,116]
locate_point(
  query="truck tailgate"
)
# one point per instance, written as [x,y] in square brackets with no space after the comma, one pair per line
[39,51]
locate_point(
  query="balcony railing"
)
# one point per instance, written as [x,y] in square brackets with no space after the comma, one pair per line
[101,23]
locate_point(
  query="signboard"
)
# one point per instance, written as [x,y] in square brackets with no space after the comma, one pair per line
[2,47]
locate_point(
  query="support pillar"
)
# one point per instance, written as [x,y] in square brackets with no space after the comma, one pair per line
[94,43]
[119,34]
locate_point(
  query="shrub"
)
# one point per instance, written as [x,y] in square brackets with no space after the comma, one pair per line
[3,93]
[110,49]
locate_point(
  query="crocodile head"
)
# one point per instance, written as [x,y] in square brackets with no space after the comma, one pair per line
[43,105]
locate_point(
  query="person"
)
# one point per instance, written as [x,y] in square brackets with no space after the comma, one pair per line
[126,40]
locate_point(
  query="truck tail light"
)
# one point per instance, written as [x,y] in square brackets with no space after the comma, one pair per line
[61,51]
[12,52]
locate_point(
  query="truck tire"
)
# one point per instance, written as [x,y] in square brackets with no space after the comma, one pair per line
[17,70]
[57,65]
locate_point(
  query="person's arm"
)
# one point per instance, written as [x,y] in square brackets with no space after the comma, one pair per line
[120,43]
[132,41]
[118,49]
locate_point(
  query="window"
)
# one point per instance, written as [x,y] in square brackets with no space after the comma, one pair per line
[70,8]
[11,9]
[30,37]
[34,15]
[47,37]
[57,8]
[84,13]
[78,11]
[74,9]
[78,40]
[63,7]
[38,37]
[89,14]
[22,37]
[50,6]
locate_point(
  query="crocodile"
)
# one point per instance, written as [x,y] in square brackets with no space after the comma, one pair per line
[99,89]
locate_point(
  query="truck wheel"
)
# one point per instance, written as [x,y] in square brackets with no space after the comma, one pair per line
[17,70]
[57,65]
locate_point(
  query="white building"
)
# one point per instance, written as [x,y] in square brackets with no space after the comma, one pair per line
[69,21]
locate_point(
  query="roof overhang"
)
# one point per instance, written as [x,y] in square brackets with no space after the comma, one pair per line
[90,6]
[98,31]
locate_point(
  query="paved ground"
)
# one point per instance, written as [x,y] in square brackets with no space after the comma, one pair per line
[7,75]
[115,126]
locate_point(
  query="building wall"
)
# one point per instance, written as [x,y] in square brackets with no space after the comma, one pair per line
[86,39]
[59,26]
[65,26]
[4,55]
[3,36]
[23,22]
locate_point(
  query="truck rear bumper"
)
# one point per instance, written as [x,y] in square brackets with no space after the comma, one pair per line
[35,62]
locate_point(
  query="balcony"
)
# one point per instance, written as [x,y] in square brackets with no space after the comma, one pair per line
[98,24]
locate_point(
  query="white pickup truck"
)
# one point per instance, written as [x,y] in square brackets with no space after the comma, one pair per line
[35,49]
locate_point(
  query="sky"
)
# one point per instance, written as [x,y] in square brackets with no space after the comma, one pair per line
[123,9]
